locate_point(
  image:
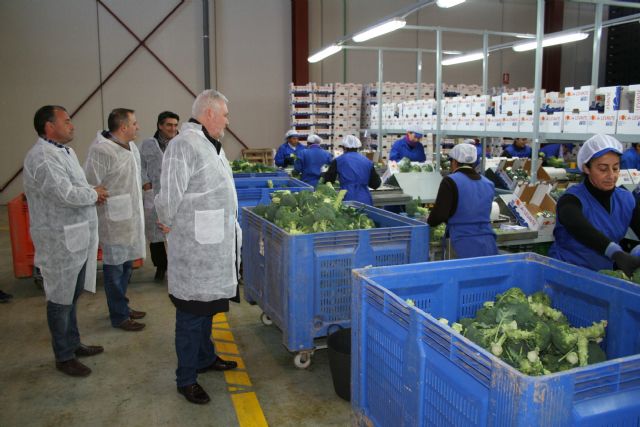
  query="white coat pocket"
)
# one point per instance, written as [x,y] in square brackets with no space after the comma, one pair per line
[148,200]
[119,207]
[209,226]
[76,236]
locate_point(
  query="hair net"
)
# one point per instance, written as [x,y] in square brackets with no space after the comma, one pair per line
[314,139]
[416,131]
[596,146]
[351,141]
[469,141]
[291,133]
[464,153]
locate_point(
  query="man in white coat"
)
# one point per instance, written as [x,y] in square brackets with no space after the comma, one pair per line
[64,230]
[198,209]
[151,153]
[114,161]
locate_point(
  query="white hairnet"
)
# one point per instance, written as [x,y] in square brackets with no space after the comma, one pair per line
[350,141]
[464,153]
[314,139]
[469,141]
[290,133]
[596,146]
[416,130]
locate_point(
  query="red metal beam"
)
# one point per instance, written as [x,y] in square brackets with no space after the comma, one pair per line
[552,56]
[300,41]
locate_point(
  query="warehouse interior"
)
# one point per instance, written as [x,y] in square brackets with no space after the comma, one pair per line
[409,364]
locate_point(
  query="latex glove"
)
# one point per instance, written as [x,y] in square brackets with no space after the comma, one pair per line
[625,262]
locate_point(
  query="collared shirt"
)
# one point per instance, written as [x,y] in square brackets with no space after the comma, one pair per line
[58,145]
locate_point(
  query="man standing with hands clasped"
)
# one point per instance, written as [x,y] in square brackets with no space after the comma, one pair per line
[198,209]
[64,230]
[114,161]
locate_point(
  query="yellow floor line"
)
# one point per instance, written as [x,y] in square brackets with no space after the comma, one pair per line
[245,401]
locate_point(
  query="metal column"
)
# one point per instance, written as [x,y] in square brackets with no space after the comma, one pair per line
[438,98]
[419,75]
[535,145]
[597,37]
[485,90]
[380,73]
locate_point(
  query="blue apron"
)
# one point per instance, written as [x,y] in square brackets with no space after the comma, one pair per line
[354,171]
[401,149]
[469,227]
[613,225]
[310,162]
[514,152]
[283,155]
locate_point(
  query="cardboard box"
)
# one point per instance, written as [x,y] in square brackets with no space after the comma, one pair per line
[602,123]
[511,123]
[635,101]
[525,123]
[551,123]
[628,123]
[479,122]
[576,122]
[464,107]
[511,104]
[527,100]
[450,123]
[613,98]
[553,100]
[479,105]
[542,174]
[495,123]
[464,123]
[531,200]
[578,100]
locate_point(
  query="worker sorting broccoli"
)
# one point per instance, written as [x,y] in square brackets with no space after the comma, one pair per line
[313,212]
[530,335]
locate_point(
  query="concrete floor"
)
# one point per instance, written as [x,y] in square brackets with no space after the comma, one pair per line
[133,382]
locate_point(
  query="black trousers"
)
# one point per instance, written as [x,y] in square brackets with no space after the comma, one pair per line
[158,255]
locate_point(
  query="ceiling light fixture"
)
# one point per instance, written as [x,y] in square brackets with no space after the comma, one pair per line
[380,29]
[463,58]
[551,41]
[324,53]
[449,3]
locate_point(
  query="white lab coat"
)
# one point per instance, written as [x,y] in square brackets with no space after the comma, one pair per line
[121,219]
[62,218]
[151,166]
[198,201]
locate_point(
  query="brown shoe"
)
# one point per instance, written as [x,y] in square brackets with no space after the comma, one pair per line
[131,326]
[194,394]
[73,368]
[88,350]
[135,314]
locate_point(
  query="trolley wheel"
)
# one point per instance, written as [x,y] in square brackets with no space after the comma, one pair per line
[266,320]
[302,360]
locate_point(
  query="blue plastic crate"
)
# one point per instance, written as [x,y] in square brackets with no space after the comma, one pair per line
[303,282]
[251,191]
[408,369]
[275,174]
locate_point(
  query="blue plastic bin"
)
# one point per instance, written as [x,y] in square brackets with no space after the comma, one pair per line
[268,175]
[303,282]
[251,191]
[410,370]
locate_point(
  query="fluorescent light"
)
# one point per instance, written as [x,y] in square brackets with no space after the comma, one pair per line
[551,41]
[526,36]
[378,30]
[451,52]
[463,58]
[449,3]
[327,51]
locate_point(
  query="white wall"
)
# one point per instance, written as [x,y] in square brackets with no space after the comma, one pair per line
[58,52]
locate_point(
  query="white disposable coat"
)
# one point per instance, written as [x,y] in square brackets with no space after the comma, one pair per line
[62,219]
[121,221]
[198,202]
[151,166]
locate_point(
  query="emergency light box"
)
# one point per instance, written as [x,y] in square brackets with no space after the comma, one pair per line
[532,200]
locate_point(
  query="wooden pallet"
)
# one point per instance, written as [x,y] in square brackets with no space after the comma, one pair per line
[259,155]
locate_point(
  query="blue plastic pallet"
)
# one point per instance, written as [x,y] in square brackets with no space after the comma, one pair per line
[251,191]
[303,282]
[407,369]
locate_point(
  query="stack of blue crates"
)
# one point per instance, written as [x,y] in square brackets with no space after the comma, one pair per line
[251,191]
[409,369]
[303,282]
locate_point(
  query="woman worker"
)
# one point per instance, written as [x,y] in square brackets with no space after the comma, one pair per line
[593,216]
[355,171]
[289,150]
[464,202]
[310,161]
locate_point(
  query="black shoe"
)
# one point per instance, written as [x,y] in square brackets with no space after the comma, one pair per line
[219,365]
[88,350]
[194,394]
[5,297]
[131,326]
[135,314]
[73,368]
[160,272]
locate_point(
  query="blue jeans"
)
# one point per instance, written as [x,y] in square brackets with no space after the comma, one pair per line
[63,325]
[116,282]
[194,347]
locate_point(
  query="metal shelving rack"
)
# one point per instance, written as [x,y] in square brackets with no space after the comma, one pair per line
[536,136]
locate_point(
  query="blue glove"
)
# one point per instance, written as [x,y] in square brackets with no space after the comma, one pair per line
[636,251]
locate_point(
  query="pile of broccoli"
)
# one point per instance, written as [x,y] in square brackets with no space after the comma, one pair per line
[530,335]
[313,212]
[621,275]
[405,165]
[415,209]
[243,166]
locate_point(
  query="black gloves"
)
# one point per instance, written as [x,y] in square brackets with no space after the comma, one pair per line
[625,262]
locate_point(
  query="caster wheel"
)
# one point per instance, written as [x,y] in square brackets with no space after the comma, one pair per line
[266,319]
[302,360]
